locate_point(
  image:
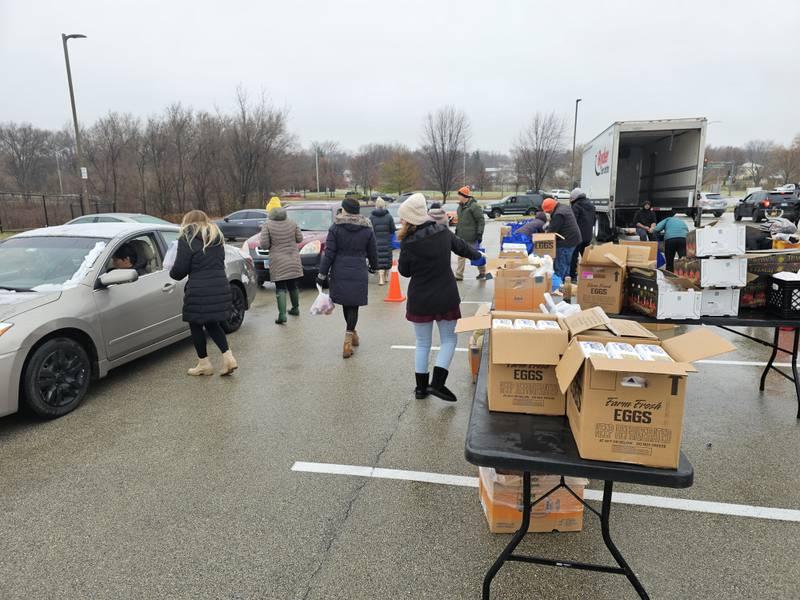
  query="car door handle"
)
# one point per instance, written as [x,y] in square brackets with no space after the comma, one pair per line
[168,288]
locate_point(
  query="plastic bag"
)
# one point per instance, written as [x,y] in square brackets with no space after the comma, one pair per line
[479,262]
[322,305]
[171,255]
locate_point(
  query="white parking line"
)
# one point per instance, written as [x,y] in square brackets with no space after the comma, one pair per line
[701,506]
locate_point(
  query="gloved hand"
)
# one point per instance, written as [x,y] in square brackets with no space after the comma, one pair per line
[479,240]
[321,280]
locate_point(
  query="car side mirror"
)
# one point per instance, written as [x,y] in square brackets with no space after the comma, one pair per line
[226,219]
[118,277]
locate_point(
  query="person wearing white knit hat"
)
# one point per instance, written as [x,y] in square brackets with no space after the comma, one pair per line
[414,210]
[425,248]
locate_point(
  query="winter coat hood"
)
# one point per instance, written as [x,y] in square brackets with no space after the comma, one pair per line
[352,222]
[379,212]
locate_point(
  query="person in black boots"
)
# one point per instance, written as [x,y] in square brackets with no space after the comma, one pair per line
[425,248]
[383,226]
[348,249]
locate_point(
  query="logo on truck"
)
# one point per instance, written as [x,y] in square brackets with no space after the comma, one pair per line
[601,162]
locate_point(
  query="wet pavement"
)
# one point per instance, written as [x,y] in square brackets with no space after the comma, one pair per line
[163,486]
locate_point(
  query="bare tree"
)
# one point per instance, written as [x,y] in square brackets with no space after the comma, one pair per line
[445,136]
[758,154]
[105,144]
[331,164]
[204,155]
[538,148]
[180,128]
[255,134]
[787,161]
[477,172]
[26,149]
[141,152]
[158,148]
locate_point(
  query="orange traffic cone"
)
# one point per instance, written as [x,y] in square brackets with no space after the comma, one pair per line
[394,295]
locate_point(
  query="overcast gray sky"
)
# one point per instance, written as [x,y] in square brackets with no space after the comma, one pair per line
[368,71]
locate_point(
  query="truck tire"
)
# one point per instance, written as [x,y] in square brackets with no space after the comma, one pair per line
[719,213]
[758,216]
[737,215]
[495,213]
[529,212]
[56,377]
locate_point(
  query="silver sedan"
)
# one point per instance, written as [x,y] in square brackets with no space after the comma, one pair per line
[67,316]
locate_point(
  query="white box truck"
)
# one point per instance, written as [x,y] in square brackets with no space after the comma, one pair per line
[634,161]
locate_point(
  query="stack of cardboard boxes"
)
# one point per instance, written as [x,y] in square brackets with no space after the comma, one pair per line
[624,407]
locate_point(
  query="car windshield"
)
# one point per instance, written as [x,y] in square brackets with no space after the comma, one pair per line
[450,206]
[148,219]
[44,264]
[312,219]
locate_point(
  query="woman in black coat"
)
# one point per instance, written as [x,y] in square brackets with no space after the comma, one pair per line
[350,245]
[383,226]
[207,299]
[425,249]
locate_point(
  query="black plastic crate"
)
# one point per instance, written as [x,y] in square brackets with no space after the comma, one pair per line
[783,297]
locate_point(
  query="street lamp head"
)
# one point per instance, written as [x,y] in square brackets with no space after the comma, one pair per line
[72,35]
[578,100]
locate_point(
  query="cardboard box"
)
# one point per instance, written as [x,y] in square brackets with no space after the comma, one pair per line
[501,498]
[544,244]
[629,410]
[519,290]
[662,294]
[641,254]
[713,272]
[719,303]
[716,240]
[522,363]
[505,231]
[601,277]
[761,265]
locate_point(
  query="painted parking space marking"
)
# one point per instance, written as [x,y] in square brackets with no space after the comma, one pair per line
[700,506]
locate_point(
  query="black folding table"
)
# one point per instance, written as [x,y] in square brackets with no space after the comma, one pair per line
[540,444]
[747,318]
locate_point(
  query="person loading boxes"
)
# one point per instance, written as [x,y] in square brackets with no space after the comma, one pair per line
[675,232]
[562,222]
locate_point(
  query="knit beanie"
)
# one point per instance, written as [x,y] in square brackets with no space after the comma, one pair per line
[548,205]
[576,193]
[414,210]
[351,206]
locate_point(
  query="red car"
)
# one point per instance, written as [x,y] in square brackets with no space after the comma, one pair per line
[314,220]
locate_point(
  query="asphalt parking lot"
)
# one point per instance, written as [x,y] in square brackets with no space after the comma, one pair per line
[165,486]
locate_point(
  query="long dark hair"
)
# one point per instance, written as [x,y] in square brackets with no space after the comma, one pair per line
[406,229]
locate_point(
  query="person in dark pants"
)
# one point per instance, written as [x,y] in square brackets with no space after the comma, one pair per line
[348,249]
[280,235]
[584,212]
[675,232]
[425,247]
[469,228]
[383,226]
[207,299]
[645,220]
[562,222]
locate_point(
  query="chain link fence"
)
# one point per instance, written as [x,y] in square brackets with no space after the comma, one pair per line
[22,211]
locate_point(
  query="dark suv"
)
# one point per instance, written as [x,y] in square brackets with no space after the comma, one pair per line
[763,204]
[518,204]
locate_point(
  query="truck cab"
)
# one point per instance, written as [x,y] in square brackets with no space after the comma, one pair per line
[633,161]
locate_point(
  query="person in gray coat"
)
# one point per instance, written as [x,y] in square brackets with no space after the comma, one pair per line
[384,228]
[280,235]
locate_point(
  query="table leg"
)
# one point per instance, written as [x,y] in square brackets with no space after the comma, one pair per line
[604,515]
[794,368]
[512,545]
[771,359]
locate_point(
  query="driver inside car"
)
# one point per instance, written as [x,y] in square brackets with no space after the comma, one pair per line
[125,258]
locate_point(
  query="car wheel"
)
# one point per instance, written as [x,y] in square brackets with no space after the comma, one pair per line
[239,307]
[718,213]
[758,216]
[495,213]
[56,377]
[737,215]
[529,212]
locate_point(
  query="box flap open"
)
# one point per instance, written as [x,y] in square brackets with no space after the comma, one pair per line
[585,320]
[568,367]
[630,365]
[652,249]
[474,323]
[698,344]
[606,254]
[625,328]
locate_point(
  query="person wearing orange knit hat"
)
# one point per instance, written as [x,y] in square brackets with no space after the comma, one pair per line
[469,228]
[562,222]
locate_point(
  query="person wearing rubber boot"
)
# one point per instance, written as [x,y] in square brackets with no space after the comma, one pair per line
[350,254]
[425,248]
[469,228]
[207,301]
[280,236]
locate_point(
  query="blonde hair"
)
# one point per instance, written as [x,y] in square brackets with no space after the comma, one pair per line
[380,203]
[195,223]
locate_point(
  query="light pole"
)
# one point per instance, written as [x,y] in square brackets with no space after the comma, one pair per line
[58,168]
[79,155]
[574,135]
